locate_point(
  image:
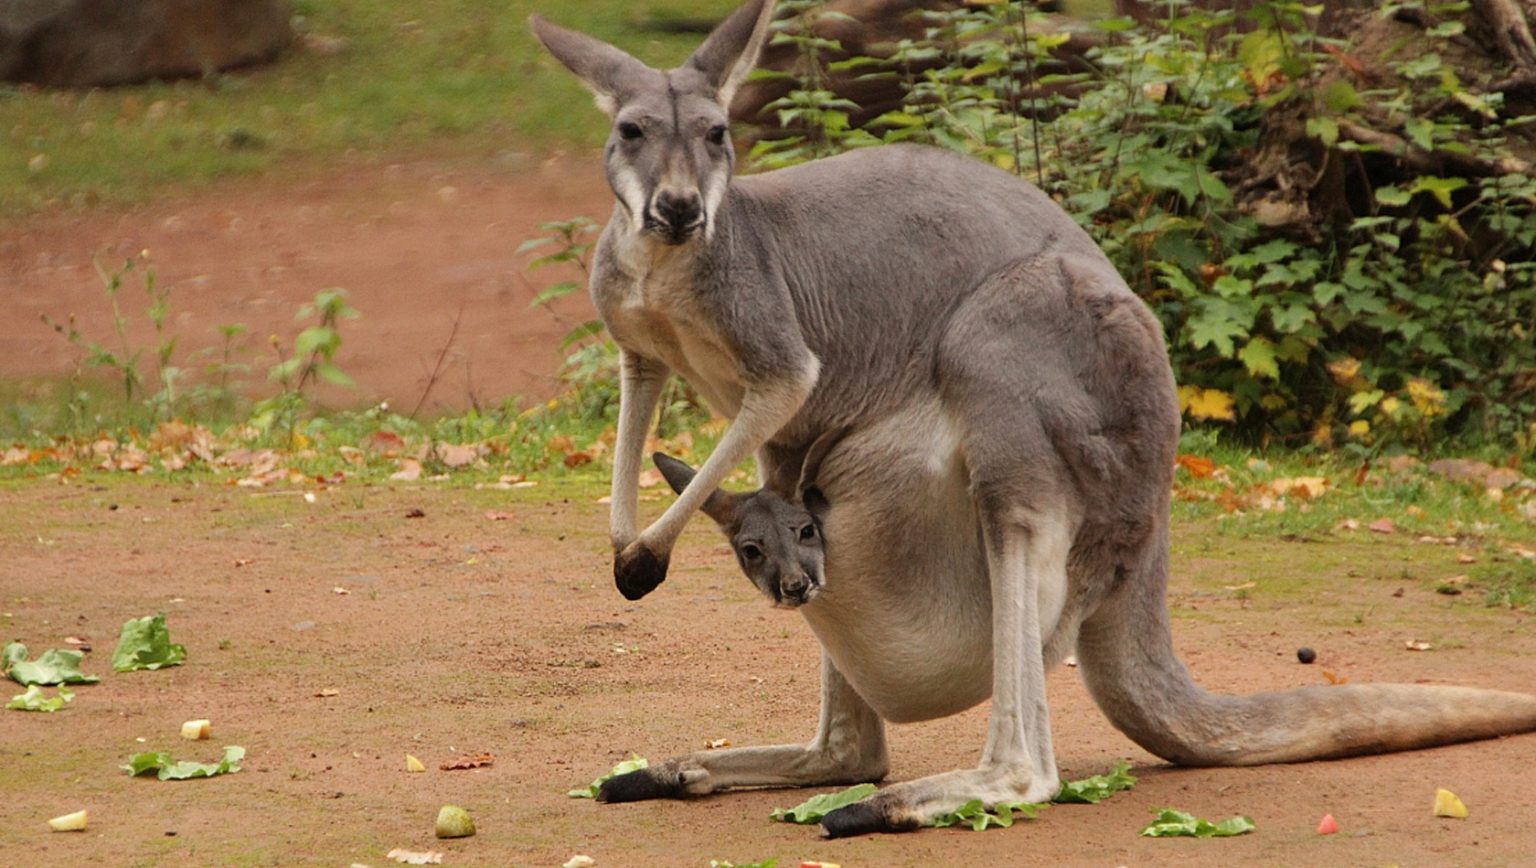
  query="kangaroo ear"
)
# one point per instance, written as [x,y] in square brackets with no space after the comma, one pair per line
[810,469]
[609,73]
[732,49]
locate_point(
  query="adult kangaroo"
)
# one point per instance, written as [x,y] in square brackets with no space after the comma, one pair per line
[989,414]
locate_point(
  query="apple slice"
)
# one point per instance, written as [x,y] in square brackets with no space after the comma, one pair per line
[413,764]
[1447,805]
[69,822]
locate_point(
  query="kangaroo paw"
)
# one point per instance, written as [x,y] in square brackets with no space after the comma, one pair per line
[637,570]
[867,817]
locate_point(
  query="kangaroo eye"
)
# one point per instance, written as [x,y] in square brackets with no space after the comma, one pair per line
[716,134]
[808,533]
[751,552]
[629,131]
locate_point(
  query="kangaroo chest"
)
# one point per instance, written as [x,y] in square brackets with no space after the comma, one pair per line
[648,303]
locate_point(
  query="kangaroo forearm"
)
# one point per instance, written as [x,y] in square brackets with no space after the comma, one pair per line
[640,384]
[764,410]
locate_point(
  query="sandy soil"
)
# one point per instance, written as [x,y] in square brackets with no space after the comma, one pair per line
[459,634]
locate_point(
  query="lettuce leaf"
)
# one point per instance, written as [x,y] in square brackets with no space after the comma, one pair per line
[167,768]
[813,809]
[145,643]
[1172,822]
[1091,791]
[36,700]
[633,764]
[53,667]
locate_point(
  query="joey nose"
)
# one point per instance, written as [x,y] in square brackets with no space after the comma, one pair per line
[678,210]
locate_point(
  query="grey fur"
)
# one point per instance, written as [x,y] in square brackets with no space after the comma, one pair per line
[991,417]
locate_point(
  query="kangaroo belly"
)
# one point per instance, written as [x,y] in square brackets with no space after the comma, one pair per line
[906,612]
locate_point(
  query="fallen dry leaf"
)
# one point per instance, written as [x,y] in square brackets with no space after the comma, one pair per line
[1465,558]
[650,478]
[1300,486]
[1383,525]
[717,743]
[576,459]
[328,691]
[1348,524]
[410,471]
[457,455]
[340,591]
[1415,645]
[497,515]
[1198,466]
[416,512]
[468,762]
[1334,678]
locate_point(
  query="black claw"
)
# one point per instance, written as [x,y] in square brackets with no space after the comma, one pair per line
[638,786]
[861,818]
[640,573]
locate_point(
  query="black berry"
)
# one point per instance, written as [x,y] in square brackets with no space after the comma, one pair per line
[1306,655]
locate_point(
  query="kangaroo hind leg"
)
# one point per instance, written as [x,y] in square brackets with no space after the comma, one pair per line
[1026,563]
[849,748]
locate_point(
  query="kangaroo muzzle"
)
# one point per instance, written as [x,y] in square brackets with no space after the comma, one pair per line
[675,215]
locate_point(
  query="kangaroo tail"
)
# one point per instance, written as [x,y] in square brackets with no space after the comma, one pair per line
[1126,657]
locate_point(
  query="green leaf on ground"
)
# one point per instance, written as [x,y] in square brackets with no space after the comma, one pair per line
[36,700]
[145,643]
[53,667]
[1173,823]
[168,769]
[976,815]
[1091,791]
[633,764]
[813,809]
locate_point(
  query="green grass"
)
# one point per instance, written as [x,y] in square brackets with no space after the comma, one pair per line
[451,79]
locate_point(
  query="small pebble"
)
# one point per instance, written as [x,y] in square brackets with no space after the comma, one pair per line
[1306,655]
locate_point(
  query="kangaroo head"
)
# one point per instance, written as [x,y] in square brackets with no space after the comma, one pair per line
[777,541]
[669,155]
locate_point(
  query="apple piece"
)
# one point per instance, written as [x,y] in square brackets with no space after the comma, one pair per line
[69,822]
[1328,825]
[196,730]
[454,822]
[413,764]
[1447,805]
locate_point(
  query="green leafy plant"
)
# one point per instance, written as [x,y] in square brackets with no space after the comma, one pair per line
[145,643]
[311,359]
[167,768]
[1166,153]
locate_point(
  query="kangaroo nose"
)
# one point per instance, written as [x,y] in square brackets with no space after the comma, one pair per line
[796,587]
[679,210]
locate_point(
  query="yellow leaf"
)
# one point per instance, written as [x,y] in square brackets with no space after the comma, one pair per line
[1206,403]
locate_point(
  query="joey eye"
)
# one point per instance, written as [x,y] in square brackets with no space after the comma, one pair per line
[630,131]
[808,533]
[751,552]
[716,134]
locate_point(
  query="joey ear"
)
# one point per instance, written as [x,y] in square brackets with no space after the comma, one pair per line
[677,473]
[814,502]
[722,506]
[732,49]
[611,74]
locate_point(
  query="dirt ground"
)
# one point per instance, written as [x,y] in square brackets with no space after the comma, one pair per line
[414,244]
[331,638]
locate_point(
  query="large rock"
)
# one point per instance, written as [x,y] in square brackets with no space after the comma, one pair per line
[86,43]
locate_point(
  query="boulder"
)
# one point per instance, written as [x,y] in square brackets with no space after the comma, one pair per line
[89,43]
